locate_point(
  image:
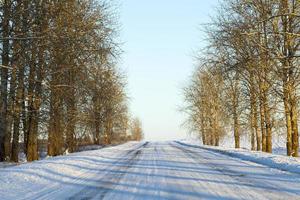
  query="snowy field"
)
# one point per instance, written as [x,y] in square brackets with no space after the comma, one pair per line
[152,170]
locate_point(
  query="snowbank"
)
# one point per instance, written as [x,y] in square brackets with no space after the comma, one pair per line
[278,142]
[43,155]
[38,179]
[90,147]
[280,162]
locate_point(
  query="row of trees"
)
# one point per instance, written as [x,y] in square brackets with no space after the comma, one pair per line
[248,76]
[59,80]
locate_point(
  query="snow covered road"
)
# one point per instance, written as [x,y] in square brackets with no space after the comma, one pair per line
[154,170]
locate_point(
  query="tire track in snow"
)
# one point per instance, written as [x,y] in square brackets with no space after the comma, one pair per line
[243,179]
[231,175]
[109,181]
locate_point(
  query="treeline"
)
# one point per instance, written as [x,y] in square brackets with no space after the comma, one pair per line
[248,75]
[59,79]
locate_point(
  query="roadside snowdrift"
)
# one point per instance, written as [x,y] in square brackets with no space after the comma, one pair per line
[37,179]
[280,162]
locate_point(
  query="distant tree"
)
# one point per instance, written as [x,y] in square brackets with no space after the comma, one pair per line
[136,130]
[205,106]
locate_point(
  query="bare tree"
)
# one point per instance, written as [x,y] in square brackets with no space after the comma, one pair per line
[136,130]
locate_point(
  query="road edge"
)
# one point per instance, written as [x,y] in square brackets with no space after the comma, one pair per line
[266,161]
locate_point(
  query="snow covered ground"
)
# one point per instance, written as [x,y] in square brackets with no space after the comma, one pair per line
[278,143]
[149,170]
[43,155]
[281,162]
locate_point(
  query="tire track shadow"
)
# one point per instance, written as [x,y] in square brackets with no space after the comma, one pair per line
[110,180]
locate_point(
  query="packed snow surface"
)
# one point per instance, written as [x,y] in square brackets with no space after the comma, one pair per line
[150,170]
[285,163]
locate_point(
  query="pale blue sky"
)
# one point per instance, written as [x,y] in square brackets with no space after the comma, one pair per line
[160,38]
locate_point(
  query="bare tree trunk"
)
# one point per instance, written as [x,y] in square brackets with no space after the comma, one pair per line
[96,115]
[217,141]
[216,131]
[287,121]
[71,120]
[37,71]
[294,123]
[255,125]
[212,140]
[262,124]
[252,136]
[203,134]
[4,77]
[17,113]
[236,131]
[265,116]
[97,132]
[108,135]
[253,112]
[268,126]
[33,106]
[55,135]
[33,119]
[16,133]
[265,86]
[25,124]
[252,102]
[11,103]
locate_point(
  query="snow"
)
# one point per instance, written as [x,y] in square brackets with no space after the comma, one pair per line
[7,164]
[290,164]
[151,170]
[22,160]
[43,155]
[90,147]
[278,142]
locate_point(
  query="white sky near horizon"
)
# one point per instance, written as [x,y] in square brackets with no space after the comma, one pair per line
[160,39]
